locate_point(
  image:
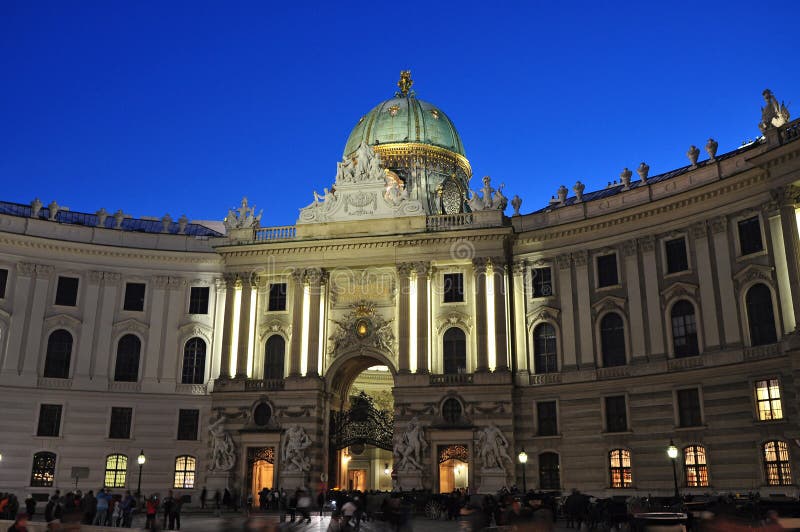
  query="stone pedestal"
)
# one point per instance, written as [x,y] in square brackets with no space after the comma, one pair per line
[492,481]
[291,480]
[218,480]
[409,480]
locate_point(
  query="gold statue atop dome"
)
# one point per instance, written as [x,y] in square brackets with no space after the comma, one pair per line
[405,82]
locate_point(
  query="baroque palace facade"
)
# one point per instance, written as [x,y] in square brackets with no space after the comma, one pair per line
[591,333]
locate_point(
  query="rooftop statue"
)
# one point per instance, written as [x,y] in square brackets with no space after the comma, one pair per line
[773,114]
[488,198]
[405,83]
[243,218]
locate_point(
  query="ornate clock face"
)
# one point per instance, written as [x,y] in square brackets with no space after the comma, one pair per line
[362,328]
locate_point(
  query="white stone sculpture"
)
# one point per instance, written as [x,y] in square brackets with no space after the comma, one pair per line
[488,197]
[578,189]
[693,154]
[166,222]
[119,216]
[643,170]
[516,203]
[36,207]
[773,114]
[53,208]
[223,451]
[625,178]
[293,449]
[493,448]
[711,149]
[562,194]
[183,221]
[243,218]
[102,216]
[408,447]
[395,191]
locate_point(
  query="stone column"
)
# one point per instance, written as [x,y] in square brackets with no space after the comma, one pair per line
[482,347]
[705,276]
[227,327]
[729,307]
[500,326]
[39,302]
[315,278]
[24,275]
[91,308]
[788,198]
[158,298]
[631,265]
[423,271]
[518,313]
[403,316]
[586,359]
[168,367]
[244,326]
[296,342]
[654,314]
[570,356]
[219,325]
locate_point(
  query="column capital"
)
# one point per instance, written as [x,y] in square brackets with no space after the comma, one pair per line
[519,267]
[111,278]
[95,277]
[298,275]
[479,264]
[647,243]
[315,276]
[564,261]
[160,281]
[422,269]
[498,262]
[580,258]
[718,224]
[404,269]
[44,271]
[629,248]
[26,269]
[785,196]
[699,230]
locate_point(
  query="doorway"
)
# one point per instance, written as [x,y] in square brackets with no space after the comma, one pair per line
[260,470]
[453,468]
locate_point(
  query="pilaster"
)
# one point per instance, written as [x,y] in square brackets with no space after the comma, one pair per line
[563,264]
[586,359]
[315,277]
[654,314]
[12,364]
[91,307]
[724,257]
[244,327]
[519,312]
[479,266]
[227,327]
[500,324]
[630,252]
[296,342]
[103,350]
[403,316]
[787,197]
[705,276]
[33,344]
[423,270]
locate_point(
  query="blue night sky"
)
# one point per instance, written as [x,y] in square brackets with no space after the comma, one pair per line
[184,107]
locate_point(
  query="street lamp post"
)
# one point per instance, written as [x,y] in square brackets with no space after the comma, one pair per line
[523,459]
[672,452]
[141,459]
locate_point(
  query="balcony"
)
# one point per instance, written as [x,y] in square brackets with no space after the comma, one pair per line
[762,351]
[269,234]
[264,385]
[546,378]
[678,364]
[613,372]
[455,379]
[445,222]
[192,389]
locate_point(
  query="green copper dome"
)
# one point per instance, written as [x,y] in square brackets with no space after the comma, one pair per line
[405,119]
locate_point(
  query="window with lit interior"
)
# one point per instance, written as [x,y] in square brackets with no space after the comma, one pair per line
[777,468]
[768,400]
[185,467]
[620,468]
[695,467]
[116,471]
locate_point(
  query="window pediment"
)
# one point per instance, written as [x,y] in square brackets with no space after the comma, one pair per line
[754,272]
[609,303]
[272,327]
[678,289]
[131,325]
[195,329]
[543,313]
[60,320]
[454,319]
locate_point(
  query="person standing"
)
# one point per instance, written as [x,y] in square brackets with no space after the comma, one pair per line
[203,495]
[101,514]
[169,504]
[175,514]
[30,506]
[128,504]
[151,509]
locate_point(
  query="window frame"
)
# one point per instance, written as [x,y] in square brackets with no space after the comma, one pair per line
[625,339]
[125,295]
[604,404]
[192,300]
[138,361]
[285,296]
[540,469]
[534,275]
[69,364]
[66,276]
[466,351]
[452,422]
[184,366]
[775,309]
[665,255]
[602,255]
[178,434]
[621,468]
[700,470]
[766,464]
[184,472]
[266,356]
[110,423]
[43,484]
[555,356]
[537,419]
[670,329]
[462,284]
[762,231]
[116,483]
[677,407]
[5,275]
[757,402]
[60,427]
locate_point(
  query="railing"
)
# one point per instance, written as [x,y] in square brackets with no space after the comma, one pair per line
[612,372]
[50,382]
[790,131]
[546,378]
[676,364]
[257,385]
[283,232]
[124,386]
[444,222]
[193,389]
[762,351]
[454,379]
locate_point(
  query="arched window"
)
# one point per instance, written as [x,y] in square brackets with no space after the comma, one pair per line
[129,349]
[695,467]
[777,468]
[194,361]
[59,353]
[549,472]
[619,463]
[612,340]
[116,470]
[44,469]
[760,316]
[274,356]
[185,467]
[684,329]
[544,349]
[454,351]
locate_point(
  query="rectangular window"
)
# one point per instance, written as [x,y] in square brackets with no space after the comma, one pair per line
[67,291]
[546,418]
[49,421]
[542,282]
[607,270]
[677,259]
[689,408]
[277,297]
[768,400]
[134,297]
[3,282]
[616,414]
[187,424]
[120,426]
[453,287]
[198,300]
[750,236]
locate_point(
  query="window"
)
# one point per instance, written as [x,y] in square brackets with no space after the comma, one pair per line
[451,411]
[616,414]
[67,291]
[544,349]
[277,296]
[49,420]
[607,270]
[542,282]
[454,351]
[549,472]
[116,470]
[129,348]
[612,340]
[194,361]
[274,357]
[695,467]
[120,425]
[262,414]
[677,260]
[188,422]
[684,329]
[198,300]
[453,287]
[777,469]
[546,418]
[620,467]
[185,467]
[750,236]
[59,353]
[689,408]
[134,297]
[3,282]
[43,470]
[760,317]
[768,400]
